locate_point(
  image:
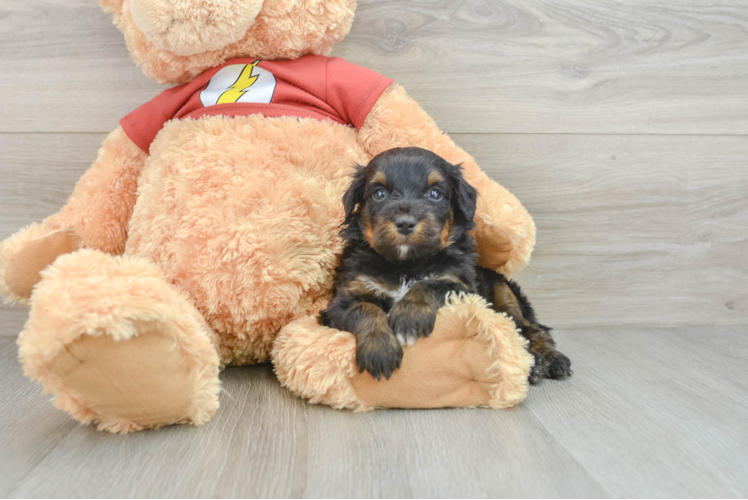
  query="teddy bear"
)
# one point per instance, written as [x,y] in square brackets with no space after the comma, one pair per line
[205,233]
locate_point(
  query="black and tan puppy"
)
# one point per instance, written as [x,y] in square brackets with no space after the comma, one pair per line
[407,220]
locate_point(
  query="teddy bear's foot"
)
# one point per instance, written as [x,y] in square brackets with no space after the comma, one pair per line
[117,345]
[474,357]
[25,254]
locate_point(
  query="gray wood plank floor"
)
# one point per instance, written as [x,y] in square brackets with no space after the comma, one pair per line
[622,126]
[648,412]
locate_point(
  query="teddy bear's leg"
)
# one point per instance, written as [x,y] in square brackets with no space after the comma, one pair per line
[505,232]
[474,357]
[119,346]
[95,216]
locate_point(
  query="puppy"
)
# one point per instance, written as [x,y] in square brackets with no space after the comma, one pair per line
[408,214]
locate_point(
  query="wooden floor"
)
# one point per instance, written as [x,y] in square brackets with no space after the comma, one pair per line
[654,412]
[622,127]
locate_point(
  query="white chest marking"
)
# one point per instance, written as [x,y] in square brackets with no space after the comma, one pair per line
[397,294]
[403,251]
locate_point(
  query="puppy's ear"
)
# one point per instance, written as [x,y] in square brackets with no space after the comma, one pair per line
[355,194]
[465,195]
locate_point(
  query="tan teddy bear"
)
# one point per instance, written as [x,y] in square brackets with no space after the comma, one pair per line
[209,222]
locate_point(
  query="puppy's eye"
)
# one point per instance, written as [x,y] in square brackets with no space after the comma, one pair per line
[379,195]
[434,195]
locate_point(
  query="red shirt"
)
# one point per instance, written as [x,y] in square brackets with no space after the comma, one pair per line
[309,87]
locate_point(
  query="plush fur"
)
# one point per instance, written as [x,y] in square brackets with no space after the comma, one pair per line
[251,265]
[227,232]
[283,29]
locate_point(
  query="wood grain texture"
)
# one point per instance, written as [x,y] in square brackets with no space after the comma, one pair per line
[249,450]
[30,428]
[475,65]
[564,67]
[12,318]
[654,412]
[39,172]
[631,229]
[65,68]
[452,453]
[648,412]
[649,230]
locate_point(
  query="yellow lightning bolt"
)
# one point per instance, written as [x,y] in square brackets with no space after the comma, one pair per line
[241,86]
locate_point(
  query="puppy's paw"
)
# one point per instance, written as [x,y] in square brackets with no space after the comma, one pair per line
[539,369]
[553,365]
[379,354]
[559,366]
[411,320]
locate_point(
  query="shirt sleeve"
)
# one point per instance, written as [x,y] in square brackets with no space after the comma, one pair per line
[143,124]
[353,90]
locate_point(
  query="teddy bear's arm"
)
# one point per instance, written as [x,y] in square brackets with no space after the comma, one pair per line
[103,199]
[95,216]
[505,232]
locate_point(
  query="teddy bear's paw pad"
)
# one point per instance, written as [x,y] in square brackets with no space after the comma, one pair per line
[131,384]
[473,357]
[29,252]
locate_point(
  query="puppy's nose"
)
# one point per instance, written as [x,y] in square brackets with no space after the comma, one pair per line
[405,224]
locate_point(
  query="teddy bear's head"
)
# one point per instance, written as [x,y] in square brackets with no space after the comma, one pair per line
[176,40]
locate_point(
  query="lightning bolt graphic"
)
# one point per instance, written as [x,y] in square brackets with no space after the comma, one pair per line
[240,86]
